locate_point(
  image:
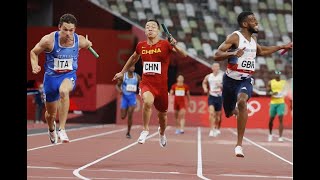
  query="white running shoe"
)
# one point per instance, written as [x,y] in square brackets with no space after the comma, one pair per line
[53,135]
[211,133]
[270,137]
[143,136]
[238,151]
[63,136]
[162,139]
[280,139]
[218,131]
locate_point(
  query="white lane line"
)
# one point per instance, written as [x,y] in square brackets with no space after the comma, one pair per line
[113,178]
[111,170]
[76,171]
[82,138]
[75,129]
[199,166]
[261,147]
[256,176]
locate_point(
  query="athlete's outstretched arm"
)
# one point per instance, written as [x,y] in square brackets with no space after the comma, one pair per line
[42,45]
[268,50]
[131,61]
[84,42]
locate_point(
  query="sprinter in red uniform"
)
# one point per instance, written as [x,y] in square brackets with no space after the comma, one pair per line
[180,91]
[155,55]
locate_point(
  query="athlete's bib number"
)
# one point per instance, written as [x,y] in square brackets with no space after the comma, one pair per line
[179,92]
[246,64]
[151,67]
[131,88]
[62,64]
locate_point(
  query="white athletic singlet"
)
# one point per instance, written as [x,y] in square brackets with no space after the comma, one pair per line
[215,84]
[244,66]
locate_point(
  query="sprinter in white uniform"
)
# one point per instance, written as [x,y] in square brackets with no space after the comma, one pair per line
[214,82]
[241,49]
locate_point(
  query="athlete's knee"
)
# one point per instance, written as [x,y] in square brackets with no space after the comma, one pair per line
[147,104]
[50,115]
[242,104]
[64,93]
[162,114]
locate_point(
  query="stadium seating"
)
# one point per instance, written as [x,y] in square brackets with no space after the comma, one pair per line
[201,26]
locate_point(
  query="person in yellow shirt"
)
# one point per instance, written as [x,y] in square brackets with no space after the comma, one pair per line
[276,89]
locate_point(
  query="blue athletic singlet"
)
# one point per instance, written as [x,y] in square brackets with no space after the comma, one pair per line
[129,85]
[62,59]
[60,63]
[129,89]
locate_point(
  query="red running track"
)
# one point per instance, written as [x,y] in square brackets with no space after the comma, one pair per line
[103,152]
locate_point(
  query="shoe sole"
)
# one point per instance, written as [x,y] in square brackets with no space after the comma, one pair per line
[240,155]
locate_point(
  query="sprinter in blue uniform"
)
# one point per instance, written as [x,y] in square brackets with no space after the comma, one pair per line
[128,88]
[61,63]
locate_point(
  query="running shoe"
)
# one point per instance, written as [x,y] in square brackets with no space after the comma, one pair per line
[63,136]
[53,135]
[128,135]
[238,151]
[280,139]
[143,137]
[162,139]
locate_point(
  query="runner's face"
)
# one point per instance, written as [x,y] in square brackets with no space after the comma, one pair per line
[67,30]
[151,29]
[215,68]
[252,24]
[180,79]
[131,69]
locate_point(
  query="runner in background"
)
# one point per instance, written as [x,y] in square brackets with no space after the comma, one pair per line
[180,91]
[127,87]
[212,86]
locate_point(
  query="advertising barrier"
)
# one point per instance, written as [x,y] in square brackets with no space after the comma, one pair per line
[197,114]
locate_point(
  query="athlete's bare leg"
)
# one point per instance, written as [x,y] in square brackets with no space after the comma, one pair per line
[271,124]
[182,114]
[148,100]
[176,116]
[124,113]
[162,121]
[280,125]
[212,117]
[242,116]
[64,90]
[130,114]
[218,119]
[51,113]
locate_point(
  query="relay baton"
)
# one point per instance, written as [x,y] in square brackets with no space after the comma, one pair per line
[92,50]
[165,29]
[283,51]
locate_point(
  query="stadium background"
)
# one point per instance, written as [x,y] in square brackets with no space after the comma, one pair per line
[115,26]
